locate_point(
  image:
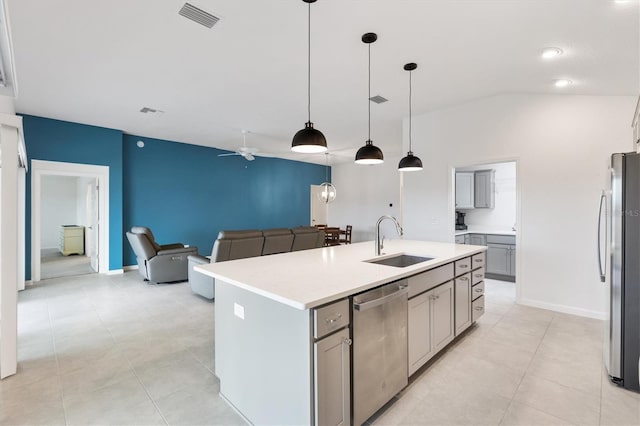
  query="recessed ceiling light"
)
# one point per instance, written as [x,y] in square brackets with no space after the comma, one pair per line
[562,83]
[551,52]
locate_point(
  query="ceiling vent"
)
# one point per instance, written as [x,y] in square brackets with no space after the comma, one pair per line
[198,15]
[378,99]
[147,110]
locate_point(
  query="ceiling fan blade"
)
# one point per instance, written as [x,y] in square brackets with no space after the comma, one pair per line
[248,156]
[229,154]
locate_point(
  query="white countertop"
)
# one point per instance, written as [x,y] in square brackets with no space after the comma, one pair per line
[491,231]
[310,278]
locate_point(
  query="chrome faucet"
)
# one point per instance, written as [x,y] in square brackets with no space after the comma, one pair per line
[378,242]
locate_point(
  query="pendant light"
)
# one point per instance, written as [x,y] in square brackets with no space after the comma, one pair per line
[328,192]
[309,140]
[369,153]
[410,163]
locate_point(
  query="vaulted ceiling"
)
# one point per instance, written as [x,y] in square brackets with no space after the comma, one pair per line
[99,62]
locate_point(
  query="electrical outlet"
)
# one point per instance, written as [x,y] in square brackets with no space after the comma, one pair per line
[238,310]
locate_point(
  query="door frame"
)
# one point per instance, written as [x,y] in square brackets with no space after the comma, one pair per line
[40,168]
[314,199]
[452,207]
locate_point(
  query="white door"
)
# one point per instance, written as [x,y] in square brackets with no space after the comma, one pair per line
[318,207]
[92,223]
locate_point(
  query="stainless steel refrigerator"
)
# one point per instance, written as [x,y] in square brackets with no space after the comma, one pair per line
[619,261]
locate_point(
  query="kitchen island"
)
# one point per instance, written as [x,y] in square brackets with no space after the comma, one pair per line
[282,322]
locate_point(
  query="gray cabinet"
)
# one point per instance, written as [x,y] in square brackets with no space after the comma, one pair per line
[501,257]
[478,239]
[464,190]
[459,239]
[431,324]
[332,379]
[484,189]
[462,289]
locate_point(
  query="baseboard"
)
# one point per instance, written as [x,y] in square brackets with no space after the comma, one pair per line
[115,272]
[131,268]
[28,283]
[564,309]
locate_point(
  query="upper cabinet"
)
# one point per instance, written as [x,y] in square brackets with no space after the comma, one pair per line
[485,189]
[475,190]
[465,190]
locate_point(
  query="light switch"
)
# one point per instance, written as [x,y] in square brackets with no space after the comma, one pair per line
[238,310]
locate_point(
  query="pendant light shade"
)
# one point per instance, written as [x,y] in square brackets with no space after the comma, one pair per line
[410,163]
[309,140]
[369,153]
[328,192]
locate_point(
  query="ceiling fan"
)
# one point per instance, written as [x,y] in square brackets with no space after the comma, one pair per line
[245,151]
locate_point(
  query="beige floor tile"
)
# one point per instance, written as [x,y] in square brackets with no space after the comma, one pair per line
[47,390]
[560,401]
[496,352]
[396,411]
[125,402]
[581,374]
[198,405]
[522,415]
[513,337]
[173,372]
[31,413]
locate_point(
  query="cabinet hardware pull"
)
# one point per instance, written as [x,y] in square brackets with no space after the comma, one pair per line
[464,266]
[332,320]
[479,308]
[464,278]
[347,342]
[478,260]
[478,275]
[478,290]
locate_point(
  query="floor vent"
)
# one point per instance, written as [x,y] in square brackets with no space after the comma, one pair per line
[378,99]
[198,15]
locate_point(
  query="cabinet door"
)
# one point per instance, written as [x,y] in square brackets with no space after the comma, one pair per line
[484,189]
[459,239]
[512,260]
[467,239]
[332,380]
[420,349]
[442,326]
[462,290]
[464,190]
[498,259]
[478,239]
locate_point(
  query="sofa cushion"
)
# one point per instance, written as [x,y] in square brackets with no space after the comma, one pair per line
[277,240]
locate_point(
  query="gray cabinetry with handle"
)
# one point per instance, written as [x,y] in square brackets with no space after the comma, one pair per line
[501,257]
[332,364]
[484,188]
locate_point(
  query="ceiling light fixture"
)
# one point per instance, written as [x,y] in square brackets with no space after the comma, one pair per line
[309,140]
[562,83]
[551,52]
[410,163]
[328,192]
[369,153]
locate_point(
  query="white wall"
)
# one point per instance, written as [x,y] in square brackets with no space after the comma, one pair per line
[59,207]
[503,216]
[562,144]
[364,193]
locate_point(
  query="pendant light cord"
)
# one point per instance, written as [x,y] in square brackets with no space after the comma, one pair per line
[369,98]
[309,63]
[410,72]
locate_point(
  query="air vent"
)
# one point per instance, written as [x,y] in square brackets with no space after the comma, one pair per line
[147,110]
[378,99]
[198,15]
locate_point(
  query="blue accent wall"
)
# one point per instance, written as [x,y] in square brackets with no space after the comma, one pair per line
[55,140]
[186,193]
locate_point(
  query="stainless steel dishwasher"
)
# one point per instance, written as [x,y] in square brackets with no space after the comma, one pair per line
[380,366]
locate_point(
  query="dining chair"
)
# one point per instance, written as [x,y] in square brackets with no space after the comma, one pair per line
[345,235]
[332,236]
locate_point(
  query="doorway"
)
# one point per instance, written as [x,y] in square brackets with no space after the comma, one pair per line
[319,209]
[69,219]
[486,212]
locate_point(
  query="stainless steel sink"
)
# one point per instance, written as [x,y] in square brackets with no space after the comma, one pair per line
[400,261]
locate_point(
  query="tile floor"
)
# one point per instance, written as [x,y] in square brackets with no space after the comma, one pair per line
[114,350]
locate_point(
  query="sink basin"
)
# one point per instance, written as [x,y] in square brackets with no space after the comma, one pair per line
[400,261]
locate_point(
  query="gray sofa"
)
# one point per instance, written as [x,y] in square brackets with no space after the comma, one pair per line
[231,245]
[159,263]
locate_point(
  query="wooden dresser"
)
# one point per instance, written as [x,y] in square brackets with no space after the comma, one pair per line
[71,239]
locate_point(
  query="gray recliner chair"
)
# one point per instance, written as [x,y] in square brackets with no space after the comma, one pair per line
[159,263]
[307,237]
[277,240]
[229,245]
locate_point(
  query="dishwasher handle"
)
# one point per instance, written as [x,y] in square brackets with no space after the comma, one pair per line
[402,290]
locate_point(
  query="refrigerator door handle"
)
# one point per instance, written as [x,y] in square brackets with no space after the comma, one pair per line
[603,207]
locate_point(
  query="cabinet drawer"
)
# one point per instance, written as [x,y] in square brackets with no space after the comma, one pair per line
[501,239]
[463,266]
[477,308]
[477,260]
[430,279]
[72,231]
[477,290]
[330,318]
[477,276]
